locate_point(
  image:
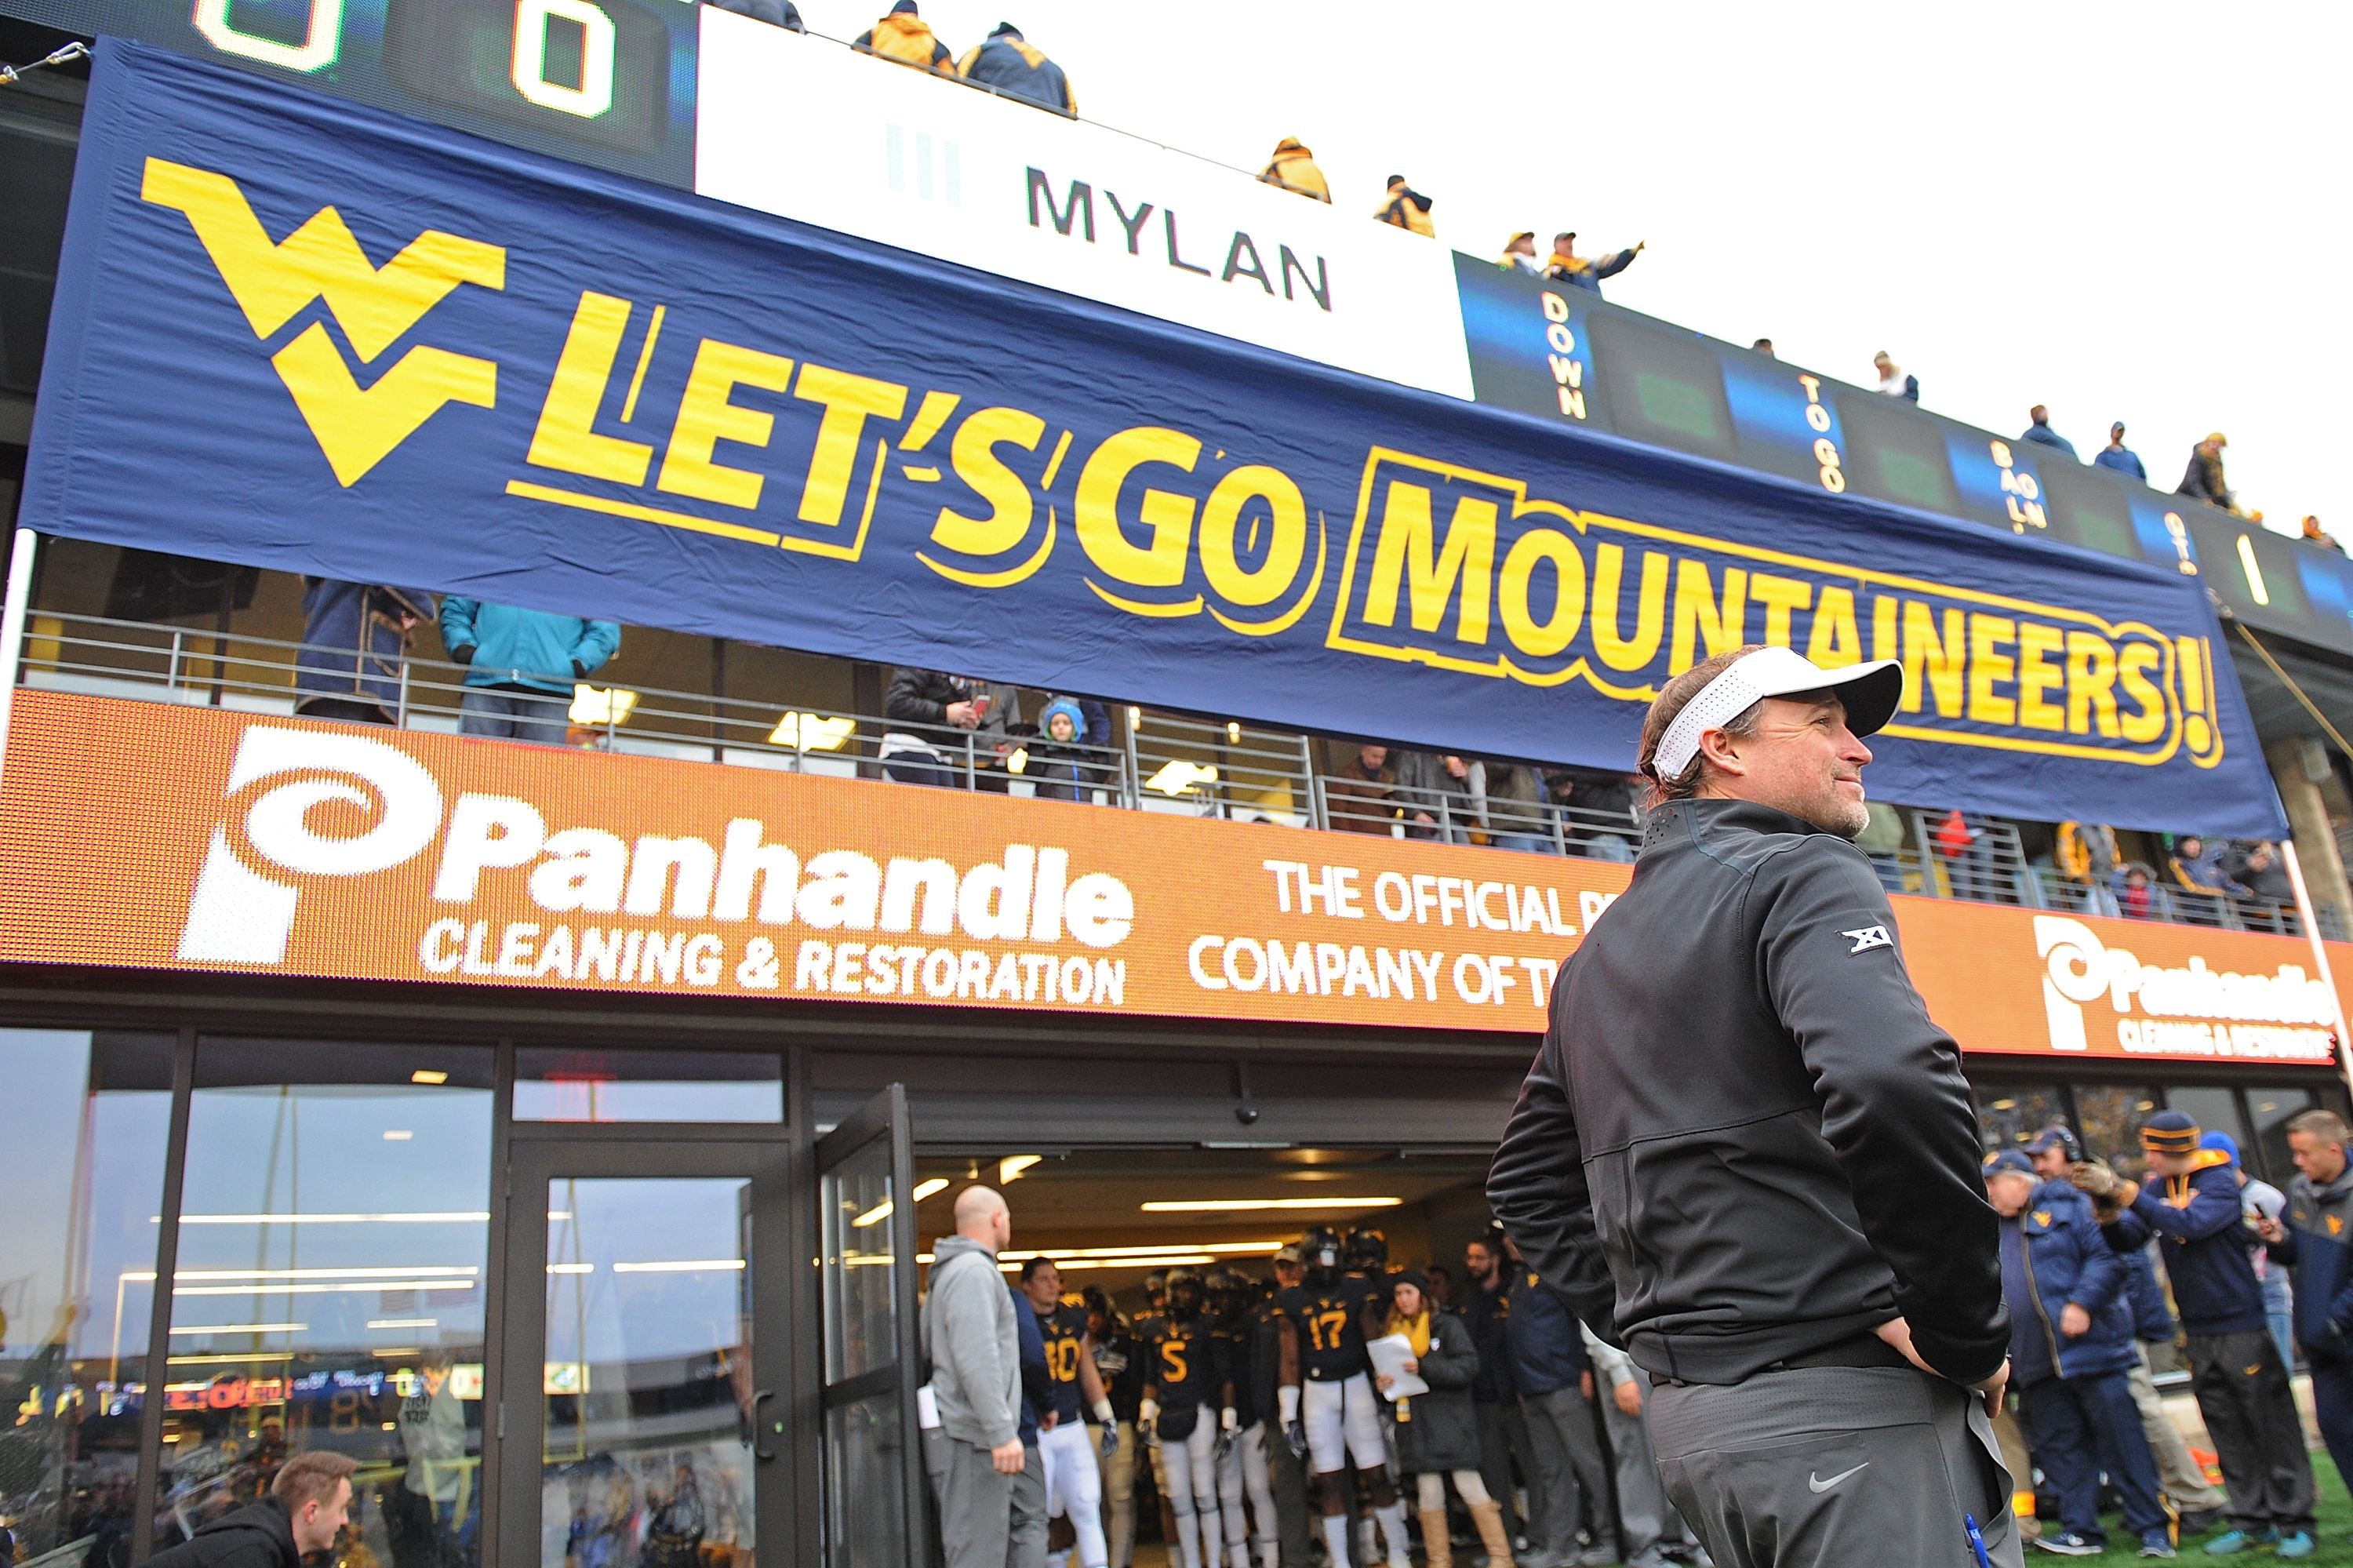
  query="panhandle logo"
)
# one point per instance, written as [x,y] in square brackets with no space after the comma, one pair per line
[355,427]
[2192,1011]
[239,915]
[307,806]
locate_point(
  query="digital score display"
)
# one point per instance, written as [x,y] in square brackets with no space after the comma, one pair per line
[1564,354]
[605,82]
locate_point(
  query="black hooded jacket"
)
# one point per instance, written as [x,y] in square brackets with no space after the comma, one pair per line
[256,1536]
[1744,1140]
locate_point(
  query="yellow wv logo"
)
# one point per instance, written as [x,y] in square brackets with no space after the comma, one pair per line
[355,427]
[2042,1216]
[2336,1225]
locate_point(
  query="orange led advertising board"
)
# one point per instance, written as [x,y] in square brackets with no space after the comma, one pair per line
[159,836]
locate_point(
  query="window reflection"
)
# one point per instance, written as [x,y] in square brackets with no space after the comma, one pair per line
[2273,1109]
[329,1290]
[2112,1116]
[84,1119]
[647,1374]
[580,1085]
[2011,1114]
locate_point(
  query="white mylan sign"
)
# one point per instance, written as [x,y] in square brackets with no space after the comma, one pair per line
[809,131]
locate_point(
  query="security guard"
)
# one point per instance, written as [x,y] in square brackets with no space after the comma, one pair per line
[1746,1153]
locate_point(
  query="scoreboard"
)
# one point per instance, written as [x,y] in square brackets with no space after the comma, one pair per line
[1565,355]
[605,82]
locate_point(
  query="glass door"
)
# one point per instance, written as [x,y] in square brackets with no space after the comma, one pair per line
[875,1489]
[643,1394]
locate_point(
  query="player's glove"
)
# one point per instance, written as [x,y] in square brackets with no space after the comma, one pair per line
[1228,1428]
[1147,1422]
[2094,1177]
[1110,1425]
[1294,1435]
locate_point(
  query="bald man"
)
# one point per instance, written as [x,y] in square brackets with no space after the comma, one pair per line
[972,1433]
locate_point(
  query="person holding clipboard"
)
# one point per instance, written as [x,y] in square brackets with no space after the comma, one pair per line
[1437,1426]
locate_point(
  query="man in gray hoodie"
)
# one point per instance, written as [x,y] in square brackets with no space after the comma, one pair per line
[973,1450]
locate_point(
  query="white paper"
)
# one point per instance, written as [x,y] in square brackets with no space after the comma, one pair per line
[1390,1354]
[927,1408]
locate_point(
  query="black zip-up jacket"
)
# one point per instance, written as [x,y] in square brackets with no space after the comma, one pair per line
[258,1535]
[1744,1140]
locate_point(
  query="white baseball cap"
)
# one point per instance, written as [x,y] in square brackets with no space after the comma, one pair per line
[1870,692]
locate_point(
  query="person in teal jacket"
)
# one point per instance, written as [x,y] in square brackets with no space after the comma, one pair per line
[520,665]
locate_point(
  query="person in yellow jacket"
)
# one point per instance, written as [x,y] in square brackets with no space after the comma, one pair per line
[1294,169]
[2085,854]
[906,38]
[1404,207]
[1520,253]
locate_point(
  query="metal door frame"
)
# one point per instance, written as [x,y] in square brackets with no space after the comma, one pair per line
[884,1117]
[517,1422]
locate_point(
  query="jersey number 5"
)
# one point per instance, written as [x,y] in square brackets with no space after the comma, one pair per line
[1174,1368]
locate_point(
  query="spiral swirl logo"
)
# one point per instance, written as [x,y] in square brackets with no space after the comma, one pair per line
[243,909]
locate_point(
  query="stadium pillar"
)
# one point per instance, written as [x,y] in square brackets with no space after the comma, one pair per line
[2298,768]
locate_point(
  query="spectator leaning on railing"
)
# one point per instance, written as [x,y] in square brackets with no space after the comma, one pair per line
[1510,798]
[2196,871]
[1017,69]
[2085,854]
[1435,791]
[1566,266]
[1404,207]
[1892,382]
[2204,479]
[2117,456]
[355,636]
[2258,866]
[1362,796]
[2313,534]
[906,38]
[932,707]
[1520,253]
[2039,431]
[1293,168]
[1059,763]
[520,665]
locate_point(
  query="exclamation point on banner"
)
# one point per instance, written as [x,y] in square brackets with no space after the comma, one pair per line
[2200,734]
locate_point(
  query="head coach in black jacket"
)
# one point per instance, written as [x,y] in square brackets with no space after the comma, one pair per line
[1746,1153]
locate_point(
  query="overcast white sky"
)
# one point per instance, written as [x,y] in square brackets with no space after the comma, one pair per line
[2125,212]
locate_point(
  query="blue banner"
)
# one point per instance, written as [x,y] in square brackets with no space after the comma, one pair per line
[301,334]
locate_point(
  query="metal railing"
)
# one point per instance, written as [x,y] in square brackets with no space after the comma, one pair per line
[1160,762]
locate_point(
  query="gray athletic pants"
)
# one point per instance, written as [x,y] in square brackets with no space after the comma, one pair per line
[1504,1439]
[1568,1448]
[1833,1468]
[976,1503]
[1025,1536]
[1646,1521]
[1290,1476]
[2184,1482]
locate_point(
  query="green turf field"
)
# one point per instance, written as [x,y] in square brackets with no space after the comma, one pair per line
[2335,1532]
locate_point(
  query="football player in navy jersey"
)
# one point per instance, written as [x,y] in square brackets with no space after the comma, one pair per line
[1119,1361]
[1328,1407]
[1188,1409]
[1242,1470]
[1073,1477]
